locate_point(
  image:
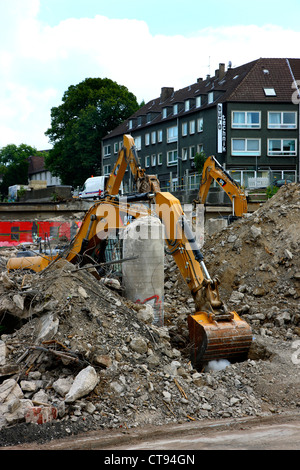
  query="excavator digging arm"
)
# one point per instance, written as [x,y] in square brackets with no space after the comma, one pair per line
[128,156]
[215,332]
[212,170]
[183,247]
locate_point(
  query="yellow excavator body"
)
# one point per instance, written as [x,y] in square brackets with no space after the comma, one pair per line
[30,263]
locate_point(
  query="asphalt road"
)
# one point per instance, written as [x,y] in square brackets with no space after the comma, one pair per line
[280,432]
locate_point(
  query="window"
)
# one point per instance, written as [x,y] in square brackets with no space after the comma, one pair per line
[147,161]
[210,98]
[200,125]
[106,170]
[245,119]
[184,128]
[192,127]
[187,105]
[153,160]
[159,159]
[130,124]
[147,139]
[248,147]
[172,158]
[172,134]
[175,109]
[198,102]
[192,152]
[138,142]
[165,113]
[282,120]
[139,121]
[160,135]
[116,147]
[106,150]
[285,147]
[153,137]
[184,154]
[270,92]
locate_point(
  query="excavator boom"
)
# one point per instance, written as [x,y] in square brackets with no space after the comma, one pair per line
[212,170]
[128,156]
[215,333]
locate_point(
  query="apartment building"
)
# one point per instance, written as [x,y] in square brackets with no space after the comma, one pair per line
[247,116]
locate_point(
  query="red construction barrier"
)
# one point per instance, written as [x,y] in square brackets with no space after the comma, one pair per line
[13,233]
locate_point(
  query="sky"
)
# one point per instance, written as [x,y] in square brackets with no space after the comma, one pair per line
[48,45]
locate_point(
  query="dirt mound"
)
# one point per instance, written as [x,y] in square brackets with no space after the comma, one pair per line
[64,321]
[257,260]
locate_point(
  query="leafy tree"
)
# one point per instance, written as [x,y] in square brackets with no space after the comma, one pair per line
[14,162]
[199,160]
[89,111]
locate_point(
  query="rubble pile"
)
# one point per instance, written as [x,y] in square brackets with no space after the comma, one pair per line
[76,356]
[257,261]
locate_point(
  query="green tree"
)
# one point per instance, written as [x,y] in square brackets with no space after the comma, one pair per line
[199,160]
[89,111]
[14,162]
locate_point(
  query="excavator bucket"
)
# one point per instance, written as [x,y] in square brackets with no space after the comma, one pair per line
[216,340]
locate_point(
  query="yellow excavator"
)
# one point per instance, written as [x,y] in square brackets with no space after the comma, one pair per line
[128,156]
[215,332]
[213,170]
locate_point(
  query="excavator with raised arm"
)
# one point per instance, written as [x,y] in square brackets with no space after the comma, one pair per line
[215,332]
[128,156]
[213,171]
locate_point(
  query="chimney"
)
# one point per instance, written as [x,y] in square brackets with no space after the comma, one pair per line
[221,71]
[199,80]
[166,93]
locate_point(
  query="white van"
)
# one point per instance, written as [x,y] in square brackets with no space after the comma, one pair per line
[93,187]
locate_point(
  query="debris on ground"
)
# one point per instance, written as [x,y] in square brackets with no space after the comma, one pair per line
[75,355]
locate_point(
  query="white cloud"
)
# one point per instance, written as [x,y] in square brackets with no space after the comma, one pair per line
[40,62]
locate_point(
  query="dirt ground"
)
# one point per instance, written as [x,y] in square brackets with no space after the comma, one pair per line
[145,376]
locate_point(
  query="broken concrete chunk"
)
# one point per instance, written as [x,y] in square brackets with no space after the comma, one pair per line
[146,314]
[62,386]
[3,352]
[139,345]
[48,327]
[19,301]
[28,386]
[288,254]
[84,383]
[9,389]
[103,360]
[236,297]
[6,281]
[20,412]
[82,292]
[255,231]
[117,387]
